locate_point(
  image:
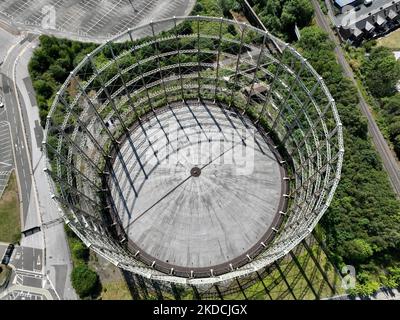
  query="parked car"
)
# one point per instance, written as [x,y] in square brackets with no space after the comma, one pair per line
[367,3]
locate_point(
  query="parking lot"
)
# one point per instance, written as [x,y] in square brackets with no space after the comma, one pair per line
[27,281]
[91,18]
[23,295]
[6,156]
[28,259]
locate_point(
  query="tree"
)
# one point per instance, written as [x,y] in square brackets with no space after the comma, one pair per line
[391,105]
[391,113]
[362,222]
[382,72]
[357,250]
[84,281]
[227,5]
[43,88]
[79,251]
[40,61]
[58,73]
[298,12]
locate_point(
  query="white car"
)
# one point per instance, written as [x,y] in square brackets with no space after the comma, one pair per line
[368,2]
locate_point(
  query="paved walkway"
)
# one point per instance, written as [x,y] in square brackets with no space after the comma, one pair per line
[18,291]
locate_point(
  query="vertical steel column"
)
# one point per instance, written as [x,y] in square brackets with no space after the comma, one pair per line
[75,190]
[218,59]
[140,71]
[105,155]
[82,125]
[255,73]
[93,107]
[320,118]
[156,47]
[121,76]
[304,108]
[177,39]
[234,86]
[145,86]
[105,89]
[272,85]
[198,60]
[81,152]
[289,94]
[115,143]
[64,161]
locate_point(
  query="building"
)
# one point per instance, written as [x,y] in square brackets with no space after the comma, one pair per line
[342,4]
[382,17]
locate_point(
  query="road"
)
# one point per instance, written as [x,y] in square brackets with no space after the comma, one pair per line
[389,160]
[14,117]
[52,269]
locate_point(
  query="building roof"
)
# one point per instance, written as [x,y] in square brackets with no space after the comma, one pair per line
[379,20]
[368,26]
[342,3]
[357,32]
[392,14]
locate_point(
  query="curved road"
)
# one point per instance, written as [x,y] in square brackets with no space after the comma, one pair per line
[389,160]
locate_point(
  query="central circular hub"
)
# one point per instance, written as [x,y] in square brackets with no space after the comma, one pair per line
[195,172]
[216,220]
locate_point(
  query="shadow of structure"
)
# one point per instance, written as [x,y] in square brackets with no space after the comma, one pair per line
[305,273]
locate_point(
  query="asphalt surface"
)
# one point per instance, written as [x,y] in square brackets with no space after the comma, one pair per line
[13,116]
[389,160]
[42,262]
[28,259]
[90,19]
[6,154]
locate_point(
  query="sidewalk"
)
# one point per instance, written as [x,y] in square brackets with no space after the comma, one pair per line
[57,262]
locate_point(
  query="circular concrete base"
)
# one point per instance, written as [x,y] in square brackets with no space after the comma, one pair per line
[197,187]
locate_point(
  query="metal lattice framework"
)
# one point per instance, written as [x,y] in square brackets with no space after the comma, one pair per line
[203,58]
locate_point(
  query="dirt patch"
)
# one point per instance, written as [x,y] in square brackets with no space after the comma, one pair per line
[112,281]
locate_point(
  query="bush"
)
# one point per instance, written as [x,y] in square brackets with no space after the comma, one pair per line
[80,251]
[84,280]
[382,72]
[364,290]
[357,250]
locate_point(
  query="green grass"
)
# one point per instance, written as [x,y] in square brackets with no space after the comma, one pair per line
[392,40]
[10,226]
[115,290]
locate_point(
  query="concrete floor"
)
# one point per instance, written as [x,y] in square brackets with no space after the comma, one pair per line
[90,18]
[190,221]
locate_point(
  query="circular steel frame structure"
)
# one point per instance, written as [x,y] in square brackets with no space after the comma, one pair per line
[215,60]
